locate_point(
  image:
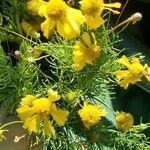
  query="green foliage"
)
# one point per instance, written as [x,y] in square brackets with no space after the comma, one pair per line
[8,90]
[100,138]
[15,81]
[134,139]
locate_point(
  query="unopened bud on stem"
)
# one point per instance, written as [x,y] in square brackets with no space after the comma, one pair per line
[136,17]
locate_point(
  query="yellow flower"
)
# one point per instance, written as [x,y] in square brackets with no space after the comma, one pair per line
[124,121]
[33,110]
[135,71]
[59,15]
[92,9]
[91,114]
[85,52]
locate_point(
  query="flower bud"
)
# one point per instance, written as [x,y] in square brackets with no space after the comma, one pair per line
[136,17]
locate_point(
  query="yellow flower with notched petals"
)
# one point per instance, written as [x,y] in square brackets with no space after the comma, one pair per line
[134,72]
[92,9]
[59,15]
[34,110]
[91,114]
[124,121]
[85,52]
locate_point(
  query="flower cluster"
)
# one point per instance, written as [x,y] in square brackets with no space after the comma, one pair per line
[67,20]
[65,45]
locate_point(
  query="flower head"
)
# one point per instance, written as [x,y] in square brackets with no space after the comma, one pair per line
[34,110]
[85,52]
[59,15]
[92,9]
[124,121]
[91,114]
[134,72]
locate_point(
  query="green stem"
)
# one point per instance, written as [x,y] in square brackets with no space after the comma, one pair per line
[19,35]
[10,123]
[18,28]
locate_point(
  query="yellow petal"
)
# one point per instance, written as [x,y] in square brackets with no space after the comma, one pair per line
[42,105]
[94,22]
[47,27]
[120,74]
[86,39]
[48,128]
[75,18]
[135,60]
[42,11]
[124,61]
[125,82]
[78,56]
[65,29]
[59,115]
[24,113]
[69,26]
[32,124]
[114,11]
[133,79]
[113,5]
[27,100]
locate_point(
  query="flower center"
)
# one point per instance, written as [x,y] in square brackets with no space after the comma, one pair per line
[55,10]
[91,9]
[43,113]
